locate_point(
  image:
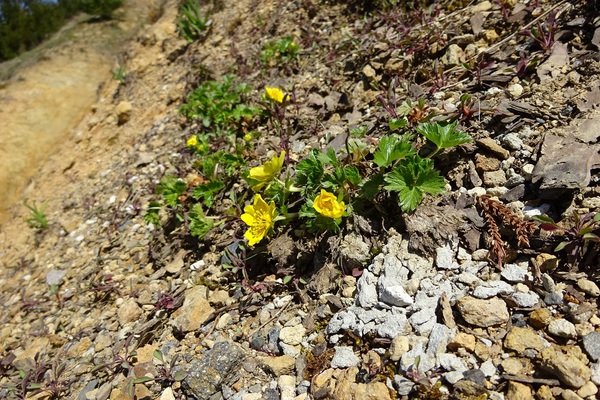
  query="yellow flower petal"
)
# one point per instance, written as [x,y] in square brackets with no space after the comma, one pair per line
[259,217]
[193,141]
[268,171]
[327,205]
[276,94]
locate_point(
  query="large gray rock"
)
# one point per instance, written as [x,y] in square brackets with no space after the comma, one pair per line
[218,366]
[591,344]
[567,158]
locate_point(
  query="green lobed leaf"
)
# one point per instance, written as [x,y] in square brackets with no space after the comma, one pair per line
[397,123]
[171,187]
[352,175]
[443,135]
[329,157]
[411,178]
[309,173]
[409,198]
[392,148]
[199,224]
[152,216]
[207,191]
[370,188]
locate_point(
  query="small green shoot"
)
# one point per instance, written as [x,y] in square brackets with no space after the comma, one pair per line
[152,215]
[119,74]
[192,24]
[443,135]
[282,50]
[584,232]
[38,218]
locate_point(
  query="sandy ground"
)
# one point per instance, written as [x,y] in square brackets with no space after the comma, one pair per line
[44,101]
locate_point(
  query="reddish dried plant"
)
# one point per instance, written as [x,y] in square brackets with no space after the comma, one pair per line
[495,214]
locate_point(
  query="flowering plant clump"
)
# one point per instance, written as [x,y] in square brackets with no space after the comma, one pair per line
[259,217]
[276,94]
[313,194]
[266,172]
[328,205]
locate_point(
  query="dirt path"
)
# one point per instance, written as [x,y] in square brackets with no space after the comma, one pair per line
[45,101]
[39,110]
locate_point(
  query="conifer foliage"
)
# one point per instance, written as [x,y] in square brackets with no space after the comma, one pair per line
[26,23]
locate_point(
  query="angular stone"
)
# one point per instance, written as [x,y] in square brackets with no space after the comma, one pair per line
[483,313]
[454,55]
[544,393]
[398,347]
[123,111]
[525,300]
[282,365]
[588,287]
[344,357]
[519,339]
[564,165]
[129,311]
[367,290]
[218,366]
[491,145]
[569,369]
[494,178]
[562,328]
[438,340]
[587,390]
[491,289]
[292,335]
[195,310]
[591,344]
[514,273]
[485,163]
[568,394]
[519,391]
[462,340]
[540,318]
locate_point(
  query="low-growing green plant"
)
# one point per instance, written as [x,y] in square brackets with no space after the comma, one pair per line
[119,74]
[279,52]
[166,373]
[192,24]
[315,193]
[219,105]
[171,188]
[38,218]
[120,362]
[578,238]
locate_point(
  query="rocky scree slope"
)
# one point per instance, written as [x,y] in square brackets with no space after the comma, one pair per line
[103,304]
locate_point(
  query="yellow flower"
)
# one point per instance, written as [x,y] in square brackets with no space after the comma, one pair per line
[267,172]
[327,205]
[247,137]
[192,142]
[259,218]
[276,94]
